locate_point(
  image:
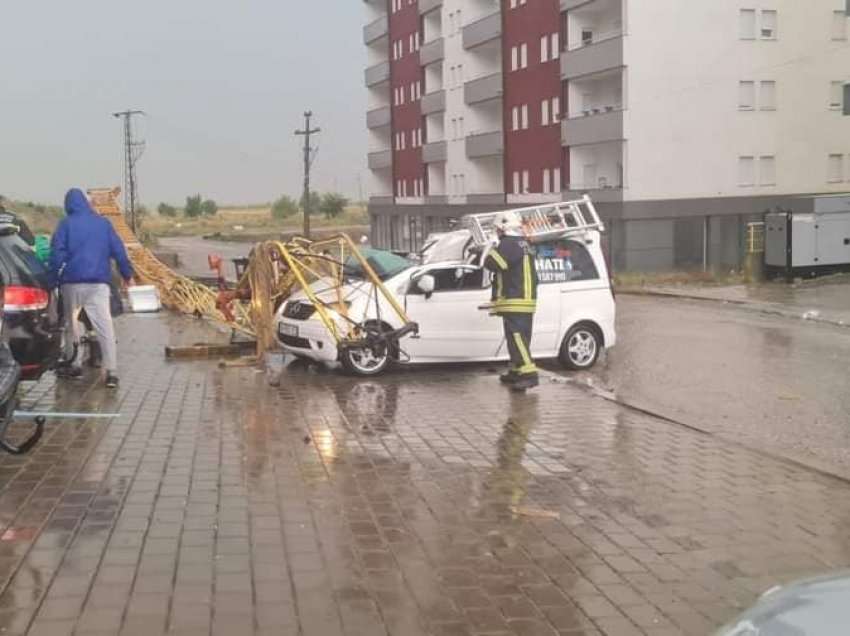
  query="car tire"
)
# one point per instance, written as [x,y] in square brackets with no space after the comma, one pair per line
[581,347]
[364,362]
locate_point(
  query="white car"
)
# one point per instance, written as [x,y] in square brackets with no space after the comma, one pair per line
[444,295]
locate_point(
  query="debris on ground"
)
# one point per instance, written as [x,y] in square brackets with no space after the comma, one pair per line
[540,513]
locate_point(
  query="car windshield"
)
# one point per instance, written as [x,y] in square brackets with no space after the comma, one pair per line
[385,264]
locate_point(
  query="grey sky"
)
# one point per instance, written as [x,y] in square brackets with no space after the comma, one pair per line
[225,83]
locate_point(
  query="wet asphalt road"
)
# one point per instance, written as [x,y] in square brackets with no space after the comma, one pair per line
[775,384]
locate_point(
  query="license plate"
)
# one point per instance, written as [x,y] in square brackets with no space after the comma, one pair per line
[288,330]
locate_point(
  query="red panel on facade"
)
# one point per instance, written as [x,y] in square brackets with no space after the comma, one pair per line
[538,147]
[406,77]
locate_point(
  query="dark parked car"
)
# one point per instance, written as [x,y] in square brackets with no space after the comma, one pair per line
[32,324]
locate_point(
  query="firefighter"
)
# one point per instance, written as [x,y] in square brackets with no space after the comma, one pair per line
[515,300]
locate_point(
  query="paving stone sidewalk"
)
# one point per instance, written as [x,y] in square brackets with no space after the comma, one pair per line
[429,502]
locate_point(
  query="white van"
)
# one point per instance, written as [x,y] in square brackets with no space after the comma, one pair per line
[444,294]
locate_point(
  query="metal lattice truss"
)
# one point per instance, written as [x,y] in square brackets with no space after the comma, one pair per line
[275,271]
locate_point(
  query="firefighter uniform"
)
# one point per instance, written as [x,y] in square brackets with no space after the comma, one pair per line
[515,300]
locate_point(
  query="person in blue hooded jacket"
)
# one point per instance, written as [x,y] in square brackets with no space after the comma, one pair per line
[82,250]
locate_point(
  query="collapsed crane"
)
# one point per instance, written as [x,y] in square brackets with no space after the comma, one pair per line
[275,271]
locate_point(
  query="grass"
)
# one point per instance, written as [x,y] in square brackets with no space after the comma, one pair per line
[41,219]
[626,280]
[249,221]
[252,221]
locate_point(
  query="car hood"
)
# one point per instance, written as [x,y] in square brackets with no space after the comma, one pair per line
[812,607]
[324,289]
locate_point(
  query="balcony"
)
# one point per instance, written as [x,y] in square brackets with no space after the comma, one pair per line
[490,144]
[596,57]
[426,6]
[435,152]
[379,117]
[433,103]
[483,89]
[484,30]
[381,160]
[378,74]
[381,199]
[374,31]
[431,52]
[569,5]
[495,198]
[609,194]
[592,129]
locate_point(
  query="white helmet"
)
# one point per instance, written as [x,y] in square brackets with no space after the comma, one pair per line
[506,225]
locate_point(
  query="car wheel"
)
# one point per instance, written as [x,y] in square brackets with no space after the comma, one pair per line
[367,360]
[581,347]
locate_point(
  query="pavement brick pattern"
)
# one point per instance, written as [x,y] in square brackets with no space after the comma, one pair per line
[429,502]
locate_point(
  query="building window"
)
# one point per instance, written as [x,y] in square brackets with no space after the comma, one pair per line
[556,110]
[525,116]
[523,56]
[556,180]
[746,95]
[460,126]
[515,114]
[746,171]
[544,112]
[839,25]
[767,95]
[769,25]
[835,169]
[546,189]
[836,95]
[747,24]
[556,45]
[847,99]
[514,58]
[767,170]
[525,182]
[516,183]
[544,49]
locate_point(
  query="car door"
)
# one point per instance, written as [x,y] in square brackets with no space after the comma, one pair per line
[451,325]
[569,291]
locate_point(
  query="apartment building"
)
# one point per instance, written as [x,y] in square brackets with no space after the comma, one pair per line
[684,120]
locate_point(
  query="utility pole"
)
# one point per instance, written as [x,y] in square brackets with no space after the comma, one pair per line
[308,162]
[133,150]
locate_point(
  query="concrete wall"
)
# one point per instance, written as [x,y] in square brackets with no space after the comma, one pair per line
[684,129]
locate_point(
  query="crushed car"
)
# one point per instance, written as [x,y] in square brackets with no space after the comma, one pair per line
[446,293]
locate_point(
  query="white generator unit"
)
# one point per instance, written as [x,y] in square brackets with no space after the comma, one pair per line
[809,243]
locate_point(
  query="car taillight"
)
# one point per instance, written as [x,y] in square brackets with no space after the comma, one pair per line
[25,299]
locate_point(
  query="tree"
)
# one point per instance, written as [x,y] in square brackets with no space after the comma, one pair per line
[284,207]
[315,202]
[167,210]
[332,205]
[209,207]
[142,211]
[194,206]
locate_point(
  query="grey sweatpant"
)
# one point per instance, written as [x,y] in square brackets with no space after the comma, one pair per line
[94,298]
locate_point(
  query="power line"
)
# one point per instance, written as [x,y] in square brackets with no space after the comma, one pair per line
[133,150]
[308,164]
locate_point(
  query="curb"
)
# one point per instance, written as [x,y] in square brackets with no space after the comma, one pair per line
[743,304]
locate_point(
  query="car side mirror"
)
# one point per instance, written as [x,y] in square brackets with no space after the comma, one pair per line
[426,285]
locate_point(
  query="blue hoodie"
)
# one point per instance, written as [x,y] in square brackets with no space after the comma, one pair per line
[84,245]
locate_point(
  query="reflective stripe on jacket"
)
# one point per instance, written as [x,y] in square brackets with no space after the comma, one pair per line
[515,281]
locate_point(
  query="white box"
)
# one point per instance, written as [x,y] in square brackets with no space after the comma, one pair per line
[144,298]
